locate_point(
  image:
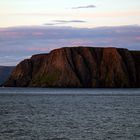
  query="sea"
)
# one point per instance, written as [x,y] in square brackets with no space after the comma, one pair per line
[69,114]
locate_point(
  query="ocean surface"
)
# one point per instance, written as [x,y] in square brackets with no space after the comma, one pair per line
[69,114]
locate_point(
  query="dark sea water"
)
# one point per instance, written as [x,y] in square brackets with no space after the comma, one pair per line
[69,114]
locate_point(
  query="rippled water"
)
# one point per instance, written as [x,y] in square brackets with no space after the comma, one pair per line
[69,114]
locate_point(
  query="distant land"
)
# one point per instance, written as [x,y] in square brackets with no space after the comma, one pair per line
[5,72]
[86,67]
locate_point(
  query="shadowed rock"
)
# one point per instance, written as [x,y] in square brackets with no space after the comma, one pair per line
[5,72]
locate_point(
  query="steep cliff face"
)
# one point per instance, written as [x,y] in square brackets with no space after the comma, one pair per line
[136,56]
[5,72]
[79,67]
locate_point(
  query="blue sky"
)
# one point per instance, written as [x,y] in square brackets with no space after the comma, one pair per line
[29,27]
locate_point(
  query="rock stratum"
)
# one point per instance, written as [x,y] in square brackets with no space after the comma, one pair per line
[79,67]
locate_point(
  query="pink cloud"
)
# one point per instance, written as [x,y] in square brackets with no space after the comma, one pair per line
[138,38]
[12,33]
[37,34]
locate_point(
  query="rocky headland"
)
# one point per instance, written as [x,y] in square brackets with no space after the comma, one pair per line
[79,67]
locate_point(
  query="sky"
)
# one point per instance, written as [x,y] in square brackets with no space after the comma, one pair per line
[93,12]
[29,27]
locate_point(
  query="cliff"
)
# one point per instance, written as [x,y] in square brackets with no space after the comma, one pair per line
[79,67]
[5,72]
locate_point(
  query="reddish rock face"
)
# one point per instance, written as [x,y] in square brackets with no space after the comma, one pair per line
[79,67]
